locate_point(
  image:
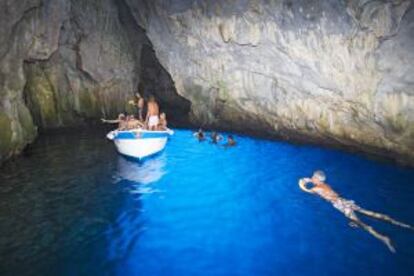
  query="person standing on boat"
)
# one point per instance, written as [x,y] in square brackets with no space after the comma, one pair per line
[348,207]
[140,106]
[139,103]
[153,112]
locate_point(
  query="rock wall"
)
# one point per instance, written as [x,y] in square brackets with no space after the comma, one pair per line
[63,63]
[339,72]
[336,72]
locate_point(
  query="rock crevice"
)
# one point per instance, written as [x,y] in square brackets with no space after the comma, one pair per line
[332,72]
[65,63]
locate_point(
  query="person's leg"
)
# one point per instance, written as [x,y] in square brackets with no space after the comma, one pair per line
[355,221]
[140,117]
[372,231]
[384,217]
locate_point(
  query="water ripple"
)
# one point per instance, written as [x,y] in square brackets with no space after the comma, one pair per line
[73,206]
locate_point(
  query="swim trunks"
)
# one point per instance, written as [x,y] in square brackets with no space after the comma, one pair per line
[346,206]
[153,121]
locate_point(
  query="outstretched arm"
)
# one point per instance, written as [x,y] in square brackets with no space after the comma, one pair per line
[110,121]
[302,185]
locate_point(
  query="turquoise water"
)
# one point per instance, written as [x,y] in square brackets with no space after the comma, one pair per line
[73,206]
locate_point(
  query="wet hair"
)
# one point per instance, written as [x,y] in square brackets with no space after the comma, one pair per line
[200,133]
[320,175]
[230,137]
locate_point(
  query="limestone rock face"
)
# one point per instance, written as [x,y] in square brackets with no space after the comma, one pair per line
[22,37]
[66,62]
[337,72]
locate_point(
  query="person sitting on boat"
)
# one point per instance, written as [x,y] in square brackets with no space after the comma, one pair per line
[348,207]
[230,141]
[152,119]
[215,137]
[163,122]
[121,121]
[133,123]
[199,135]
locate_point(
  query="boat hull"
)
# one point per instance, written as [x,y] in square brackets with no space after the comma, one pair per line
[139,144]
[140,148]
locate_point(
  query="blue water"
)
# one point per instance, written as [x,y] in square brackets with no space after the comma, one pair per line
[73,206]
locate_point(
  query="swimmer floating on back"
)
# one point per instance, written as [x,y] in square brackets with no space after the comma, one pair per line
[348,207]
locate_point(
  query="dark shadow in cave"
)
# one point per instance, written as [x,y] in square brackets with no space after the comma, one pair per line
[153,78]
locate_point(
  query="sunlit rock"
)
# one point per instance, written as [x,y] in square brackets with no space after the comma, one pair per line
[326,71]
[334,72]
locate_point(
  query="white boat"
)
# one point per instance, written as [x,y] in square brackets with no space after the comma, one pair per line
[139,143]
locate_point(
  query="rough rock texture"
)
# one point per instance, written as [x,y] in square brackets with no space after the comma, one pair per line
[337,72]
[66,62]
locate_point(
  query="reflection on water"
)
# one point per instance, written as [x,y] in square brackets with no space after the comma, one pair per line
[196,209]
[145,172]
[135,178]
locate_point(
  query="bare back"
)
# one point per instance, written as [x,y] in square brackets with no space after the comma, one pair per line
[153,109]
[141,103]
[325,191]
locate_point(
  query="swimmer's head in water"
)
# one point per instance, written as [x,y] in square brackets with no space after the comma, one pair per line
[319,175]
